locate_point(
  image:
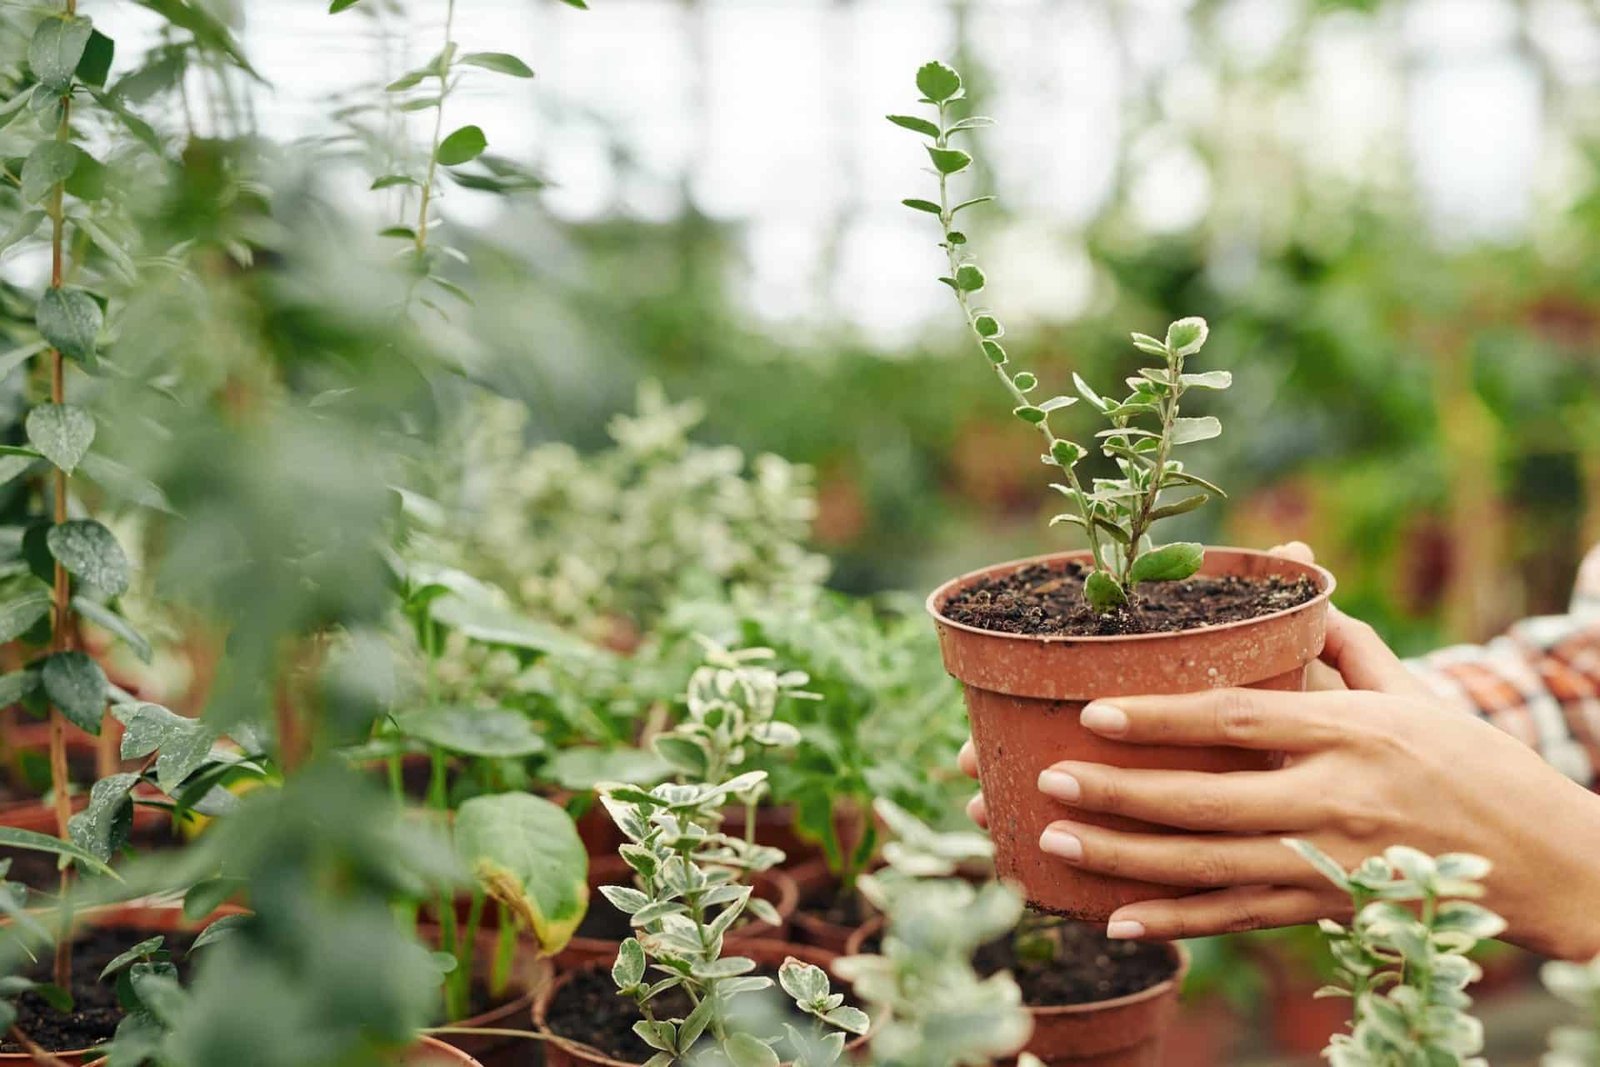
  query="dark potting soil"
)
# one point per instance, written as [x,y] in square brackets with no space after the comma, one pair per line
[603,922]
[95,1012]
[837,905]
[589,1009]
[1048,601]
[1088,967]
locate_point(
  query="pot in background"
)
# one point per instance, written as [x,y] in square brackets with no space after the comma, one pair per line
[431,1052]
[1024,694]
[529,974]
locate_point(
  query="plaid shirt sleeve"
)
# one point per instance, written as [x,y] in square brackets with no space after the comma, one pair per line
[1539,682]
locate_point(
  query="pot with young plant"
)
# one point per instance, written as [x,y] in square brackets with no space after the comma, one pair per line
[1089,1000]
[1036,640]
[689,892]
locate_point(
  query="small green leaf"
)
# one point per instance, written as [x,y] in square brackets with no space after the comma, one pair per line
[56,47]
[1169,563]
[995,352]
[1025,381]
[47,165]
[142,950]
[949,160]
[95,65]
[628,970]
[90,551]
[409,80]
[341,5]
[389,181]
[70,320]
[922,205]
[75,683]
[1188,431]
[988,326]
[499,62]
[938,82]
[969,279]
[1066,454]
[110,621]
[462,146]
[1102,592]
[1028,413]
[226,924]
[1180,507]
[1056,403]
[911,122]
[970,203]
[489,732]
[1211,379]
[61,432]
[183,744]
[745,1050]
[24,600]
[37,842]
[1187,336]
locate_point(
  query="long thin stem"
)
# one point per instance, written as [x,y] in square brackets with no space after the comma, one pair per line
[947,223]
[61,593]
[1147,502]
[438,128]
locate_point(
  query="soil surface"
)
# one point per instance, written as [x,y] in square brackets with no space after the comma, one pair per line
[1088,967]
[95,1012]
[589,1009]
[836,905]
[1048,601]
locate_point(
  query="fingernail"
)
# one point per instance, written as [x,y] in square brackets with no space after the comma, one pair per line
[1124,929]
[1061,843]
[1104,719]
[1060,785]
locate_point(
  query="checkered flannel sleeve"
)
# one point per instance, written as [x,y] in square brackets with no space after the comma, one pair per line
[1540,682]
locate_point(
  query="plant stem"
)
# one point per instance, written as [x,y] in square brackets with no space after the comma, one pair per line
[438,128]
[1147,503]
[947,223]
[61,593]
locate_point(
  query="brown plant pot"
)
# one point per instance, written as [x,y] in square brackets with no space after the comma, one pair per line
[529,973]
[775,887]
[146,918]
[1024,694]
[1125,1031]
[561,1051]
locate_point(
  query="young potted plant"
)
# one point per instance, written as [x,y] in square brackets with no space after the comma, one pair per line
[1088,1000]
[1034,640]
[686,898]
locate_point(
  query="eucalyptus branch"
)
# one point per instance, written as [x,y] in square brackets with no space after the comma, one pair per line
[1116,514]
[442,71]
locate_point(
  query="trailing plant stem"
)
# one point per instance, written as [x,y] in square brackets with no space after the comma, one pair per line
[947,222]
[438,129]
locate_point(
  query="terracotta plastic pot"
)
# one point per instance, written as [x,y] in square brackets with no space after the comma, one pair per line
[529,973]
[145,918]
[431,1052]
[1024,694]
[775,887]
[562,1051]
[1125,1031]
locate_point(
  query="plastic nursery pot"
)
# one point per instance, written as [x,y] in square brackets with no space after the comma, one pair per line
[1024,694]
[775,887]
[146,920]
[529,973]
[1125,1031]
[563,1051]
[431,1052]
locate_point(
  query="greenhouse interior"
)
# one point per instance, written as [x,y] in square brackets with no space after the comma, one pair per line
[622,533]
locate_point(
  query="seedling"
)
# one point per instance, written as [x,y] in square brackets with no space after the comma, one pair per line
[1117,515]
[1405,968]
[687,898]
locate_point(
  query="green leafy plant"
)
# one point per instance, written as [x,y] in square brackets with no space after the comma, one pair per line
[931,1007]
[1116,514]
[1579,985]
[1403,958]
[686,899]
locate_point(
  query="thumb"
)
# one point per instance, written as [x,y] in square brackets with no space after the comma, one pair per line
[1355,650]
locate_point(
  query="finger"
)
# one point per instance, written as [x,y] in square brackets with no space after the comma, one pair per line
[1321,678]
[1298,551]
[967,759]
[1243,718]
[1363,660]
[1279,801]
[1225,911]
[978,810]
[1200,861]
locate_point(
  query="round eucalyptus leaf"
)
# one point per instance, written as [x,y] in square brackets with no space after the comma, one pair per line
[55,49]
[90,551]
[75,683]
[62,432]
[70,320]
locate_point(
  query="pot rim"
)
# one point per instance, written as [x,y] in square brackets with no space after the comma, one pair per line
[936,599]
